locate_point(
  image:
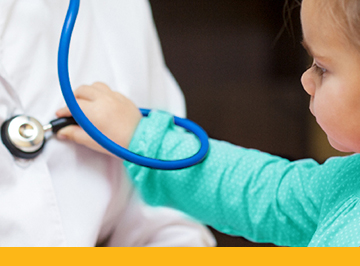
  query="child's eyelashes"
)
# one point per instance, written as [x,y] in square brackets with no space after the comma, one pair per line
[319,70]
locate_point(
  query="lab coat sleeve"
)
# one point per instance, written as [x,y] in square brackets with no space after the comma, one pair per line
[238,191]
[141,225]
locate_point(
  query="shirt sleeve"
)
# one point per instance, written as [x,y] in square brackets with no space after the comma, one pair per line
[238,191]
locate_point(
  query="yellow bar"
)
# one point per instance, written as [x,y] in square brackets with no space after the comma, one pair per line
[180,256]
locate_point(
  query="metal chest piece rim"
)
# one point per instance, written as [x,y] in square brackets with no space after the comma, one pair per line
[23,135]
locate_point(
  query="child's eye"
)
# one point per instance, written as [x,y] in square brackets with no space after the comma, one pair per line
[319,70]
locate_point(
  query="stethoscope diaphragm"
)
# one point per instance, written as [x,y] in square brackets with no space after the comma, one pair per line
[24,136]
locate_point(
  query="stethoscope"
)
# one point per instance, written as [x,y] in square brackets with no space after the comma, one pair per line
[25,137]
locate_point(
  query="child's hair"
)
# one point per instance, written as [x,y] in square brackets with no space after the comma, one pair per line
[346,17]
[344,13]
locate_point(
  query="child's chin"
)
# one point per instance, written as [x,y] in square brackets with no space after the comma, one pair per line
[339,147]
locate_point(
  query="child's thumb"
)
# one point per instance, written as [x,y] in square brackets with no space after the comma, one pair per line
[78,135]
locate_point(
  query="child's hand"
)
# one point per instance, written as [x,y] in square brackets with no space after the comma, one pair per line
[111,112]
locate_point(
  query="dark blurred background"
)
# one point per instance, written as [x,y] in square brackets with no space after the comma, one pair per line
[241,79]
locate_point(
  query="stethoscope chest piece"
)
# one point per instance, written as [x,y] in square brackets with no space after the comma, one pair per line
[23,135]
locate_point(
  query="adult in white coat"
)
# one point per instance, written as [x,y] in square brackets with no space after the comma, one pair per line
[70,195]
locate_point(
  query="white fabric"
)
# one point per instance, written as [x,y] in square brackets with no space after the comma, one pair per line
[70,195]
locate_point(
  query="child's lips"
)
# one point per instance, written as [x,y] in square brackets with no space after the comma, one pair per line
[311,108]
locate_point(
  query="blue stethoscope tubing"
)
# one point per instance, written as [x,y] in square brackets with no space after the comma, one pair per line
[100,138]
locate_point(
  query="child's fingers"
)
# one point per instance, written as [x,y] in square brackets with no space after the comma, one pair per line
[90,93]
[103,89]
[63,112]
[86,92]
[73,133]
[101,86]
[78,135]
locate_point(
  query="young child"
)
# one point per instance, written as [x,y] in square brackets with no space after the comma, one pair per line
[245,192]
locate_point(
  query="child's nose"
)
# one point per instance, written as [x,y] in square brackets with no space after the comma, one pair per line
[308,82]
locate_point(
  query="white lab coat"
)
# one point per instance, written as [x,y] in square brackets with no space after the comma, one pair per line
[70,195]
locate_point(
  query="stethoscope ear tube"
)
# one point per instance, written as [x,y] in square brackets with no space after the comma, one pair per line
[101,139]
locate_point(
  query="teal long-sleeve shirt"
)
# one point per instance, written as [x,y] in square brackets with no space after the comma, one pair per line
[248,193]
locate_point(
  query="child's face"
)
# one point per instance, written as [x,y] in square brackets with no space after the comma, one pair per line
[334,81]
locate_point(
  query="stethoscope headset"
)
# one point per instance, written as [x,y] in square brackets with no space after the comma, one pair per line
[24,136]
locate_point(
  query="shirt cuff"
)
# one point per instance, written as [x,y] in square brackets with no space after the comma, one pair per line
[149,135]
